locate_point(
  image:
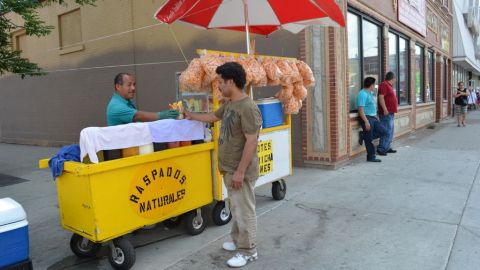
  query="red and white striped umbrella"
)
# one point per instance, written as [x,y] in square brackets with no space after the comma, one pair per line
[256,16]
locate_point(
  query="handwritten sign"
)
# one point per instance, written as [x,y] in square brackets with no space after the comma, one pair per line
[265,157]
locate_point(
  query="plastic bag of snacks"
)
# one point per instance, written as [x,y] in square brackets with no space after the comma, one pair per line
[286,93]
[306,72]
[296,76]
[209,65]
[292,106]
[286,70]
[245,65]
[259,76]
[216,89]
[299,91]
[192,77]
[273,72]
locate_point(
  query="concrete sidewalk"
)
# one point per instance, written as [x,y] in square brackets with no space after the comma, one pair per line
[418,209]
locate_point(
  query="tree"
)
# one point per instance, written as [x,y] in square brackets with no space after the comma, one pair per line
[10,59]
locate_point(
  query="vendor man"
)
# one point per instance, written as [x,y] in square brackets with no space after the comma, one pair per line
[122,110]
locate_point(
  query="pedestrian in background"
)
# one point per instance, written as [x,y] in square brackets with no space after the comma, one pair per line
[472,99]
[367,112]
[387,107]
[461,103]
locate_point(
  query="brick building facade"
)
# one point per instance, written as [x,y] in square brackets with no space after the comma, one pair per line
[91,44]
[330,125]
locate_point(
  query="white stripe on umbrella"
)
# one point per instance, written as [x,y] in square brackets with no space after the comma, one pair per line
[230,13]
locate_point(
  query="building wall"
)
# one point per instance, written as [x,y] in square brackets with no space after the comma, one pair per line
[342,124]
[117,36]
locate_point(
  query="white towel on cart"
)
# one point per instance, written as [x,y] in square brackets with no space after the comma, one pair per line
[170,130]
[94,139]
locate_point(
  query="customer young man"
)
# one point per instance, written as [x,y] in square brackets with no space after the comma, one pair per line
[367,112]
[237,158]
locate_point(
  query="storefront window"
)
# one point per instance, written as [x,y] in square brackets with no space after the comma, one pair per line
[398,64]
[419,74]
[403,89]
[371,51]
[354,63]
[430,91]
[364,53]
[393,55]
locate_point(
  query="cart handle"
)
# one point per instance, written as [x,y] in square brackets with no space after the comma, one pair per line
[43,163]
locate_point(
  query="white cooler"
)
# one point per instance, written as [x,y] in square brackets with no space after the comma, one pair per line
[14,246]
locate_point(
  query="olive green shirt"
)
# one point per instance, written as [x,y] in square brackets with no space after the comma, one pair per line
[238,118]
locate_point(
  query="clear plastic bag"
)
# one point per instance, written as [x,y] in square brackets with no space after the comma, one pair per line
[299,91]
[259,76]
[192,77]
[286,93]
[273,72]
[209,65]
[286,70]
[307,73]
[292,106]
[296,77]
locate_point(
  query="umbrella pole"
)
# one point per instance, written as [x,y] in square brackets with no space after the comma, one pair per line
[247,24]
[247,31]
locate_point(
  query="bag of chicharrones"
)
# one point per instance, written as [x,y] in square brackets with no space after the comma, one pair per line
[296,76]
[271,69]
[192,77]
[210,62]
[259,76]
[292,106]
[249,76]
[287,72]
[299,91]
[306,72]
[285,93]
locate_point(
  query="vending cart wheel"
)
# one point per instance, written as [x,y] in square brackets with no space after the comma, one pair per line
[194,223]
[172,223]
[82,247]
[122,254]
[220,214]
[279,189]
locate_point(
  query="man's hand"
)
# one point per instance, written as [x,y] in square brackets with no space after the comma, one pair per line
[168,114]
[367,126]
[188,115]
[385,112]
[237,180]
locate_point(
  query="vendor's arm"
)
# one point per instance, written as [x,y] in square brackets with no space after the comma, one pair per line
[141,116]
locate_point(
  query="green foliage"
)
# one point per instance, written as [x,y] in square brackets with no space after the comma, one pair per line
[10,60]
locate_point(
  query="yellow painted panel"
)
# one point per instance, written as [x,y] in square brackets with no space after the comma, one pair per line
[76,209]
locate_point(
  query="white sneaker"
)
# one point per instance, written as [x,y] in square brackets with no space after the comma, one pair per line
[241,260]
[229,246]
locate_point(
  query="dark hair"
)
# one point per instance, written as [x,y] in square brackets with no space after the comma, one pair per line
[389,76]
[119,78]
[233,71]
[458,84]
[368,82]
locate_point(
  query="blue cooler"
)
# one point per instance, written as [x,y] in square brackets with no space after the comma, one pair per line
[272,112]
[13,233]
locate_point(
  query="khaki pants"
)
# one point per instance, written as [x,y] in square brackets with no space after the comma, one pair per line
[242,206]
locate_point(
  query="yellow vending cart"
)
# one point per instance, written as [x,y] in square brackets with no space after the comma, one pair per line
[100,203]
